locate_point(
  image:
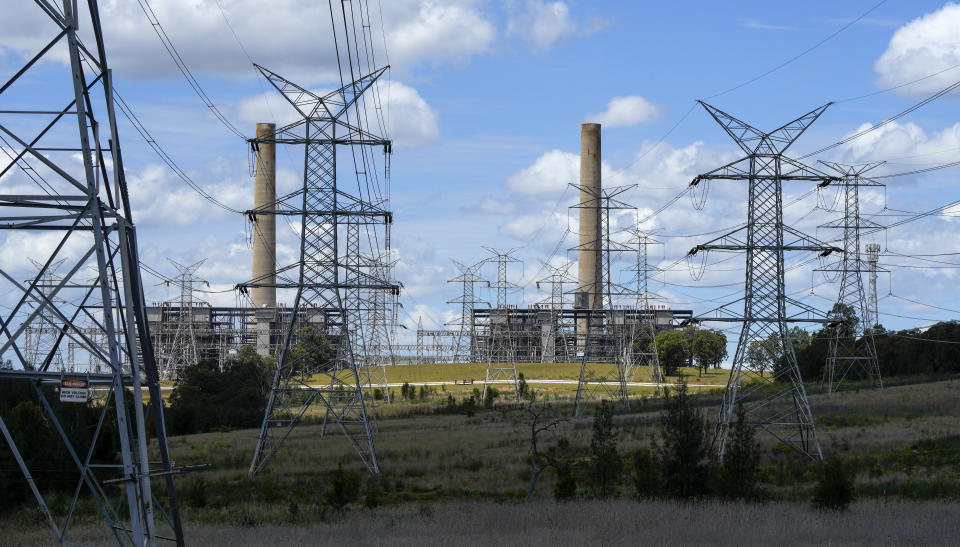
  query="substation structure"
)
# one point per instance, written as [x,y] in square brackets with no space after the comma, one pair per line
[541,334]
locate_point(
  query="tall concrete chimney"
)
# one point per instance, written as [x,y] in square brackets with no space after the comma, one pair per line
[588,257]
[589,271]
[264,225]
[264,299]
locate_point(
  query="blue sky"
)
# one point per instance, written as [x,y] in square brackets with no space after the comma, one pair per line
[486,102]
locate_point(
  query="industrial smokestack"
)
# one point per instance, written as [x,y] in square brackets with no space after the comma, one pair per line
[264,225]
[588,258]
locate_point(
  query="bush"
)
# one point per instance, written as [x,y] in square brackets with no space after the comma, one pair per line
[684,449]
[605,462]
[834,490]
[491,395]
[344,488]
[737,476]
[566,487]
[647,482]
[206,398]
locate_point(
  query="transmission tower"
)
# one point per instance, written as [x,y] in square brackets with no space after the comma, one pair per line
[501,352]
[70,150]
[466,349]
[872,314]
[379,343]
[43,334]
[600,318]
[180,350]
[646,356]
[852,348]
[322,277]
[776,402]
[555,303]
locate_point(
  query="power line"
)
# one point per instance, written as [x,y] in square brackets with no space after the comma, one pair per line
[183,68]
[799,55]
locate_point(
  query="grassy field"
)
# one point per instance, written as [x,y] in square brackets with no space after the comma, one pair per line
[904,441]
[462,377]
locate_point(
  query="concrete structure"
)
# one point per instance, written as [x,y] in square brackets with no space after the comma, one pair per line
[265,225]
[588,259]
[264,298]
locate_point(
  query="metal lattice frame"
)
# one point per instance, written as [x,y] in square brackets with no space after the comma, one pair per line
[557,329]
[852,347]
[180,350]
[86,204]
[646,357]
[321,276]
[465,347]
[776,402]
[501,353]
[593,383]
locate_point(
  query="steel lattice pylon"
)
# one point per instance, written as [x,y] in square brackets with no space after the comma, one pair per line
[501,352]
[555,303]
[181,349]
[71,153]
[465,345]
[852,348]
[646,357]
[776,403]
[322,276]
[599,317]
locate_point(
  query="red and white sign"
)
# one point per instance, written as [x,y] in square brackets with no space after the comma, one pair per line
[74,391]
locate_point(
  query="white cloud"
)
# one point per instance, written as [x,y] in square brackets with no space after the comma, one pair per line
[923,46]
[436,32]
[547,177]
[20,247]
[902,141]
[412,122]
[541,24]
[292,37]
[625,112]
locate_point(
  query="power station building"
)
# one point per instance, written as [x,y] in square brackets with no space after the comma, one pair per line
[596,320]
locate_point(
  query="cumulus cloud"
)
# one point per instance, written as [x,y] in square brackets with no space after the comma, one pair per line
[923,46]
[625,112]
[411,120]
[292,37]
[549,175]
[437,31]
[541,24]
[897,140]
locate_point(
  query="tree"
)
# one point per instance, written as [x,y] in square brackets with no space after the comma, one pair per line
[672,351]
[737,477]
[763,354]
[540,423]
[834,490]
[683,449]
[207,398]
[710,348]
[311,353]
[605,462]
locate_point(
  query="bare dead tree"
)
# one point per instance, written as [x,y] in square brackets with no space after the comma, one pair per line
[538,414]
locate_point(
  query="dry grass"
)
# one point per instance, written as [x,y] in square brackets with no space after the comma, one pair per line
[476,465]
[615,522]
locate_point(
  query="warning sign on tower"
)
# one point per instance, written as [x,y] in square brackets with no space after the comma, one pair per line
[74,391]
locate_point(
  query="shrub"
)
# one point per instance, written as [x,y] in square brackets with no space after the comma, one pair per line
[834,490]
[344,488]
[491,395]
[647,482]
[684,446]
[523,390]
[566,487]
[737,476]
[605,462]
